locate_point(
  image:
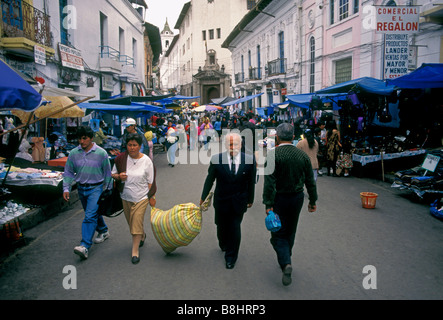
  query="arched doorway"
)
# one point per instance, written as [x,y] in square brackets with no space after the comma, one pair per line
[212,93]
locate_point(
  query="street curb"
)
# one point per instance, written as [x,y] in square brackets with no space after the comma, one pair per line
[45,212]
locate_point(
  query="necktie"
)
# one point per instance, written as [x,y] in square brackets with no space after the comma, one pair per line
[232,166]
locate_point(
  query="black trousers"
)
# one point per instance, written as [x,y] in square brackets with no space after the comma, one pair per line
[229,232]
[288,207]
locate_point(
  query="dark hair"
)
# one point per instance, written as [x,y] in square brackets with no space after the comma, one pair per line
[310,137]
[85,131]
[134,136]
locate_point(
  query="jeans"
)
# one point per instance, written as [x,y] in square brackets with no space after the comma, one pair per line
[288,207]
[92,222]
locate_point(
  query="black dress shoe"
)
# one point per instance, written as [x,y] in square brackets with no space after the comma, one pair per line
[135,260]
[230,265]
[142,242]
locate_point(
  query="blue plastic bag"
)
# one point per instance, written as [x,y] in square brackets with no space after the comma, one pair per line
[273,222]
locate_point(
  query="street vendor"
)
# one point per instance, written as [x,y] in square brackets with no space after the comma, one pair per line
[131,128]
[99,136]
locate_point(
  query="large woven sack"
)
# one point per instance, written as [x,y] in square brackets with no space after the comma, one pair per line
[178,226]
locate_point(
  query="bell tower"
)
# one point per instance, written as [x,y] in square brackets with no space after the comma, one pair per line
[166,37]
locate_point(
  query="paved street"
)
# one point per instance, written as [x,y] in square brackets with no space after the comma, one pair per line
[399,238]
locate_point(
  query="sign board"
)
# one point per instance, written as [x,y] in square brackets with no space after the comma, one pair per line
[430,162]
[397,20]
[71,58]
[396,55]
[40,55]
[107,83]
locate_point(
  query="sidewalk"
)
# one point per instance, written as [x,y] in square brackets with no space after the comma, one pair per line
[34,217]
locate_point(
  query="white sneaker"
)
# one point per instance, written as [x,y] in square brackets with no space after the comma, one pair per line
[81,251]
[101,237]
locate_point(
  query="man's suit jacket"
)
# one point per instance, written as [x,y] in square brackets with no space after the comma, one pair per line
[232,192]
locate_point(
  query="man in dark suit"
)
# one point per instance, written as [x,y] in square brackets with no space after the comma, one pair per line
[235,173]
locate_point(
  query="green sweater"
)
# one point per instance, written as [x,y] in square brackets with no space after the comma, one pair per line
[288,170]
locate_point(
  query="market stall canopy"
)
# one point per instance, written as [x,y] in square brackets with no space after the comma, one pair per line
[130,99]
[207,107]
[172,99]
[241,100]
[132,110]
[304,100]
[366,84]
[15,92]
[57,92]
[220,101]
[50,109]
[429,75]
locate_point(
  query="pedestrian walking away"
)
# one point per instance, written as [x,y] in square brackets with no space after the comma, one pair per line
[134,173]
[287,171]
[310,146]
[234,173]
[88,165]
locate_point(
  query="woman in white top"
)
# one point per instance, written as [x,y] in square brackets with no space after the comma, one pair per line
[138,179]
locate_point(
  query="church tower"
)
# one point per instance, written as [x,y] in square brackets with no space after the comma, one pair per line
[166,37]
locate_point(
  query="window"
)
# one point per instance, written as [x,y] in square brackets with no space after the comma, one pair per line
[312,66]
[121,40]
[134,50]
[63,31]
[281,40]
[356,6]
[250,4]
[258,63]
[343,9]
[211,34]
[343,70]
[204,35]
[103,31]
[218,33]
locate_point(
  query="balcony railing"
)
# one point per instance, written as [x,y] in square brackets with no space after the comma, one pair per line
[254,73]
[239,77]
[277,66]
[19,19]
[111,53]
[127,60]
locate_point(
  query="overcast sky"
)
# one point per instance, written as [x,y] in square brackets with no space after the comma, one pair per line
[159,10]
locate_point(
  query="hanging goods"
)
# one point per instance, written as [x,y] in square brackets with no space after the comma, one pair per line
[178,226]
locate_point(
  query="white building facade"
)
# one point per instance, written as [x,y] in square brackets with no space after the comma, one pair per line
[95,48]
[198,65]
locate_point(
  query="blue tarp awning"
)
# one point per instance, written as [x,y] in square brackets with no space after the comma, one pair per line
[172,99]
[429,75]
[304,100]
[366,84]
[15,92]
[123,110]
[244,99]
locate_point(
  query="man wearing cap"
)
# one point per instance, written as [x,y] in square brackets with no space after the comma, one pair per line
[131,127]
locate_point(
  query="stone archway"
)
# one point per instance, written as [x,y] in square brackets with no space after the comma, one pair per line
[212,92]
